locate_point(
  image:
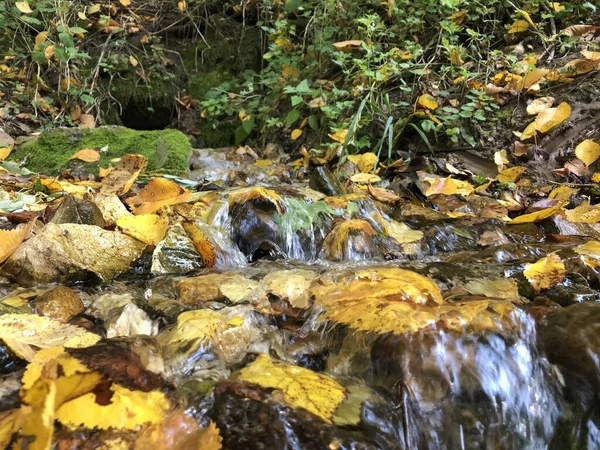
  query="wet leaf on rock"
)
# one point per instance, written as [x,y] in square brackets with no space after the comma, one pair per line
[240,196]
[159,192]
[300,388]
[536,216]
[499,288]
[202,243]
[448,186]
[584,213]
[148,228]
[24,333]
[291,286]
[546,272]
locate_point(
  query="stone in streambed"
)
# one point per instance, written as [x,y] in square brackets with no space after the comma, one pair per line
[61,303]
[70,253]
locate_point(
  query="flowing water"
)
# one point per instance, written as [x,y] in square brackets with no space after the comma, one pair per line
[529,378]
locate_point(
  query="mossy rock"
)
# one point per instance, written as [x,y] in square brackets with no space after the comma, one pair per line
[52,150]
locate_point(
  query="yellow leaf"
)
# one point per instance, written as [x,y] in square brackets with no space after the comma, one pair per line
[364,178]
[243,195]
[527,17]
[456,57]
[202,243]
[584,213]
[547,119]
[264,163]
[401,232]
[87,155]
[428,102]
[23,7]
[11,239]
[121,179]
[596,177]
[365,162]
[449,186]
[535,216]
[296,134]
[125,2]
[82,16]
[148,228]
[49,52]
[383,195]
[24,333]
[594,56]
[6,145]
[459,17]
[41,37]
[182,5]
[93,9]
[588,151]
[289,71]
[244,116]
[133,61]
[562,193]
[518,26]
[500,288]
[339,135]
[510,175]
[530,78]
[127,410]
[546,272]
[157,193]
[348,44]
[557,6]
[87,121]
[299,387]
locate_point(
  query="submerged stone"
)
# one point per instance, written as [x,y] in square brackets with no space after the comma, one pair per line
[61,303]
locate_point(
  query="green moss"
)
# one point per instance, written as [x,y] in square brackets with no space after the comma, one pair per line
[52,150]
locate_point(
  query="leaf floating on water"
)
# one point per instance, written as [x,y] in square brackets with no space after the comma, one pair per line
[546,272]
[23,333]
[148,228]
[588,151]
[300,388]
[392,284]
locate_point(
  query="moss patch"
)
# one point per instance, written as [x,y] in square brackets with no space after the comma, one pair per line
[52,151]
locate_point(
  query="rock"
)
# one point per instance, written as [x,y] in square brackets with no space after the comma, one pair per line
[61,303]
[72,252]
[76,210]
[176,253]
[570,337]
[129,320]
[322,180]
[52,150]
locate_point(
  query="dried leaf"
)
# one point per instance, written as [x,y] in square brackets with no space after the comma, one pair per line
[401,232]
[348,44]
[300,388]
[87,121]
[518,26]
[120,180]
[584,213]
[588,151]
[296,134]
[546,272]
[23,7]
[536,216]
[500,288]
[159,192]
[511,175]
[364,178]
[562,193]
[383,195]
[339,135]
[540,104]
[11,239]
[87,155]
[580,30]
[448,186]
[594,56]
[148,228]
[547,119]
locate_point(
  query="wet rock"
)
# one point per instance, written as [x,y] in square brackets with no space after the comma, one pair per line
[573,290]
[72,252]
[129,321]
[570,337]
[253,418]
[76,210]
[322,180]
[61,303]
[214,287]
[254,231]
[524,233]
[559,225]
[176,253]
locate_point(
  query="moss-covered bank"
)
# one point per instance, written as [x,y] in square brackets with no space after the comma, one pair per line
[52,150]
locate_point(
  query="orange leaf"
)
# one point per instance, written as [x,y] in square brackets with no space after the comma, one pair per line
[87,155]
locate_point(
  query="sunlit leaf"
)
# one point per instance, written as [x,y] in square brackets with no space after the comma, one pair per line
[536,216]
[547,119]
[299,387]
[546,272]
[24,7]
[365,162]
[518,26]
[588,151]
[11,239]
[339,135]
[527,17]
[87,155]
[584,213]
[148,228]
[562,193]
[159,192]
[449,186]
[428,102]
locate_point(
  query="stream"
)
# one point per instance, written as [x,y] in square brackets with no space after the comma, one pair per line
[308,273]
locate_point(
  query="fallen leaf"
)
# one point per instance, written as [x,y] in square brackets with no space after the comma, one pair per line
[537,216]
[365,162]
[594,56]
[401,232]
[546,272]
[296,134]
[148,228]
[240,196]
[87,121]
[339,135]
[6,145]
[546,120]
[125,2]
[120,180]
[87,155]
[499,288]
[11,239]
[291,286]
[588,151]
[428,102]
[510,175]
[562,193]
[159,192]
[202,243]
[300,388]
[364,178]
[24,333]
[448,186]
[383,195]
[584,213]
[527,17]
[580,30]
